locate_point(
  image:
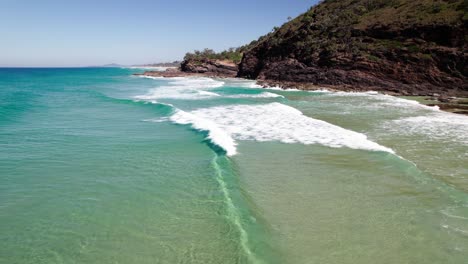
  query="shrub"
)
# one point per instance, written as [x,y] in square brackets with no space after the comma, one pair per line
[233,54]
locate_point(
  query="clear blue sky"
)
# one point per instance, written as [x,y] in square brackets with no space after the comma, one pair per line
[94,32]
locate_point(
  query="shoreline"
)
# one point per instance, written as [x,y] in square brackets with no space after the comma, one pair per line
[447,103]
[176,72]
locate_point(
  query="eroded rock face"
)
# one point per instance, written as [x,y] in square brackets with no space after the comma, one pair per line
[198,68]
[210,67]
[345,43]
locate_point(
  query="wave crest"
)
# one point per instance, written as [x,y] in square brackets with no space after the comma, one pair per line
[270,122]
[183,88]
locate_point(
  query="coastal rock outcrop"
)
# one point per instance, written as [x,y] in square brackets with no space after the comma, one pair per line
[221,68]
[416,47]
[199,68]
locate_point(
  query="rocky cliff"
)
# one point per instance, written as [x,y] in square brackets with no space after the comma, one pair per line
[199,67]
[414,47]
[220,68]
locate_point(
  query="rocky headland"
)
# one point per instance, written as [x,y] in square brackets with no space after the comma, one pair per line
[399,47]
[200,68]
[416,47]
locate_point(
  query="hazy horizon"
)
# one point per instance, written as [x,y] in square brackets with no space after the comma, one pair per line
[53,33]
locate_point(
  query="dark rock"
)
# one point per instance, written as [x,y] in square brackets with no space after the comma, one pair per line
[211,67]
[384,53]
[200,68]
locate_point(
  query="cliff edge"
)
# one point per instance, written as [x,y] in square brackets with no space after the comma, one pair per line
[412,47]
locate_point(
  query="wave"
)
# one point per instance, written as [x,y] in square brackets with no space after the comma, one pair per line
[270,122]
[151,77]
[183,88]
[208,93]
[320,91]
[260,95]
[278,88]
[190,88]
[440,125]
[243,83]
[216,134]
[380,100]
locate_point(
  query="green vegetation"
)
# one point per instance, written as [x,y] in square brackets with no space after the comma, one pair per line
[414,48]
[426,56]
[417,11]
[336,28]
[373,58]
[391,43]
[231,54]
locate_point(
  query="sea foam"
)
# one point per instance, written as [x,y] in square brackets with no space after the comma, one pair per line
[216,135]
[270,122]
[260,95]
[380,100]
[184,88]
[440,125]
[151,77]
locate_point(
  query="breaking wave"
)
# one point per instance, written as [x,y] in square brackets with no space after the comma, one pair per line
[436,125]
[270,122]
[183,88]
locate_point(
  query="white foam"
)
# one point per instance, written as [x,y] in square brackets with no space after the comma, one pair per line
[186,88]
[323,90]
[216,134]
[355,93]
[153,102]
[401,102]
[260,95]
[277,88]
[253,84]
[439,125]
[384,100]
[151,77]
[236,82]
[208,93]
[271,122]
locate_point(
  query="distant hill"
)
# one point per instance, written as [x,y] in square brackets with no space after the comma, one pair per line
[112,65]
[405,46]
[162,64]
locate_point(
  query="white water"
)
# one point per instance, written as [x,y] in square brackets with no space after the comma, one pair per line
[441,125]
[270,122]
[278,122]
[260,95]
[196,88]
[183,88]
[378,100]
[216,134]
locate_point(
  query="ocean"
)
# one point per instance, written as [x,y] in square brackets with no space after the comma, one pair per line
[100,166]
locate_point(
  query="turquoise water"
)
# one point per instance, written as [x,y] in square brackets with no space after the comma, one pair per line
[99,166]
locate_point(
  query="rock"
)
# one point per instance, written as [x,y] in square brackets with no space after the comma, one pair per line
[198,68]
[211,67]
[443,99]
[386,53]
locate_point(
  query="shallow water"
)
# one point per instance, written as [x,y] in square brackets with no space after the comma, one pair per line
[99,166]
